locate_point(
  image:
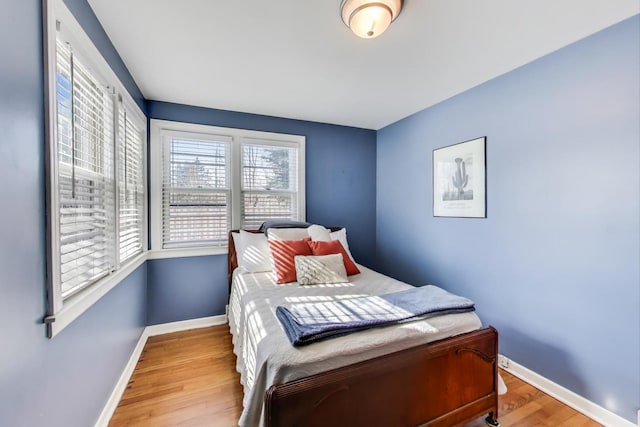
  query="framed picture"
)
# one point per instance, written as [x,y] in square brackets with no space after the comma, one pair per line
[459,180]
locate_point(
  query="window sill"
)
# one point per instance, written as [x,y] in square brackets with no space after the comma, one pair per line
[78,304]
[187,252]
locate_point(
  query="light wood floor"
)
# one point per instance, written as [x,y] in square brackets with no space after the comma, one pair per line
[189,379]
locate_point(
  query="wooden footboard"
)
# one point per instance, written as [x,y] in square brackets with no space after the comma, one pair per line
[443,383]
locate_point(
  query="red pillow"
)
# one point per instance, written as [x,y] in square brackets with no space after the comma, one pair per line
[283,252]
[334,247]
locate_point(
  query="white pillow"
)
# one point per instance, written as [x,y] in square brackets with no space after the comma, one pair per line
[254,255]
[318,233]
[342,236]
[320,269]
[287,233]
[237,243]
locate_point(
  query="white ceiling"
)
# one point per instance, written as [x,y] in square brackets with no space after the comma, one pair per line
[296,59]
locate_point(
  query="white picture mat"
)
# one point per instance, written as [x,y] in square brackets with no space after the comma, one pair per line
[468,158]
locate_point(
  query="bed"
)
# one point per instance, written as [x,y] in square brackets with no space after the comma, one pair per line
[440,371]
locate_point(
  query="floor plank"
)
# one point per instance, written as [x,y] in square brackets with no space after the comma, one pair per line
[188,379]
[183,379]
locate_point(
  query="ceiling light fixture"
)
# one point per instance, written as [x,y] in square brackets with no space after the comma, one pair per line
[369,19]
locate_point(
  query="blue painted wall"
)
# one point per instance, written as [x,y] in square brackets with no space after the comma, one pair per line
[67,380]
[555,265]
[340,190]
[186,288]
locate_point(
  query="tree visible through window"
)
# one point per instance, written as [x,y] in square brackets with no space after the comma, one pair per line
[269,184]
[196,193]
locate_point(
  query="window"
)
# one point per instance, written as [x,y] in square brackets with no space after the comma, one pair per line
[269,183]
[196,191]
[95,170]
[208,180]
[85,156]
[131,185]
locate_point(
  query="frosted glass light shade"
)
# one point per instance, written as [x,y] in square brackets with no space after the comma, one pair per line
[369,19]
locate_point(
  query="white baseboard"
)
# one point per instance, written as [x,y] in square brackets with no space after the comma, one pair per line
[185,325]
[149,331]
[566,396]
[121,385]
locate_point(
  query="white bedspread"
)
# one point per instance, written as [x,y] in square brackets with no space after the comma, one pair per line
[265,356]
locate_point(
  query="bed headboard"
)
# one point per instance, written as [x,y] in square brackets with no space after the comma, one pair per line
[232,257]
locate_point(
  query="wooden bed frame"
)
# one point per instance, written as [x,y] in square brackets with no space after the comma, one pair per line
[443,383]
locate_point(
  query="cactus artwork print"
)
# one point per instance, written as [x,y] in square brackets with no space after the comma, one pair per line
[459,180]
[459,185]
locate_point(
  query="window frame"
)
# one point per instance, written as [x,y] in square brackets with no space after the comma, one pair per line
[123,177]
[248,141]
[164,167]
[158,129]
[60,312]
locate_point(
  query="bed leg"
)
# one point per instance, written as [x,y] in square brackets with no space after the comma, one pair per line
[491,421]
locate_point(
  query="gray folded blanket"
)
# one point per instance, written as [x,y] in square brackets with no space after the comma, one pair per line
[310,322]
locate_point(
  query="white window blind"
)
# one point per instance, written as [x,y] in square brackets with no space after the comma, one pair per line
[196,191]
[207,180]
[95,170]
[85,174]
[131,179]
[269,183]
